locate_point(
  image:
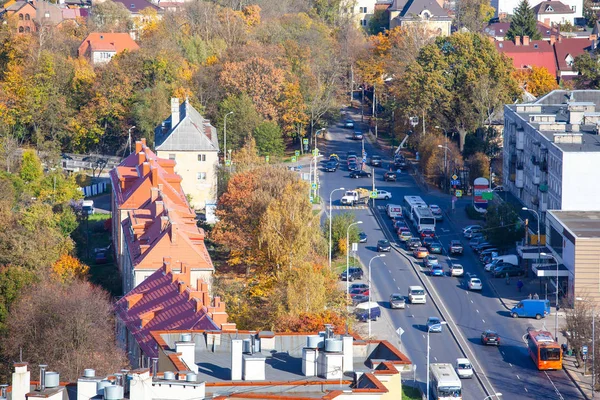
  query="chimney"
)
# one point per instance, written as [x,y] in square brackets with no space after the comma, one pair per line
[141,156]
[187,348]
[154,367]
[594,40]
[122,182]
[153,194]
[43,377]
[173,232]
[145,168]
[525,40]
[236,359]
[348,351]
[154,176]
[517,40]
[199,305]
[21,381]
[160,207]
[552,40]
[138,146]
[167,264]
[174,112]
[164,222]
[182,286]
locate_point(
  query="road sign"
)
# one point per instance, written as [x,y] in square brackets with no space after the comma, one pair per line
[227,163]
[400,331]
[373,194]
[305,141]
[314,186]
[267,158]
[294,159]
[458,193]
[454,177]
[297,153]
[487,195]
[364,159]
[454,182]
[311,199]
[584,349]
[299,167]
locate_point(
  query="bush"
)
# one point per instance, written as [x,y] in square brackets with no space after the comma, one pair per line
[473,213]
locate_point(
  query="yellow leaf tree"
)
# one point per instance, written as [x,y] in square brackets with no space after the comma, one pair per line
[68,268]
[538,80]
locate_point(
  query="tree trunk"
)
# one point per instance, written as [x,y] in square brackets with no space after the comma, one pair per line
[462,134]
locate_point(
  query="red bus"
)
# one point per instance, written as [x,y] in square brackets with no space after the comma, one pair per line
[545,352]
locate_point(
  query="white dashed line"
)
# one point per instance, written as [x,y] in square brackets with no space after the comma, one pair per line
[471,301]
[394,279]
[384,263]
[390,271]
[518,377]
[477,311]
[508,363]
[423,336]
[435,358]
[483,321]
[526,390]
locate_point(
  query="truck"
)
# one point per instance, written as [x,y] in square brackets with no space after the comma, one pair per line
[531,308]
[87,206]
[356,196]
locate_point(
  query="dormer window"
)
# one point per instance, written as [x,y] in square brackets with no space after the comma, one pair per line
[132,6]
[569,60]
[549,9]
[47,15]
[425,14]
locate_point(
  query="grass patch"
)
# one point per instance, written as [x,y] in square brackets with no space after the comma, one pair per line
[411,393]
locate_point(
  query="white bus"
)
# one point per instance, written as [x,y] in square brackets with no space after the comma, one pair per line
[423,219]
[444,383]
[412,202]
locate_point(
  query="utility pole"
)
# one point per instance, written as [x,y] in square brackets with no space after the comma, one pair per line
[423,122]
[351,84]
[362,108]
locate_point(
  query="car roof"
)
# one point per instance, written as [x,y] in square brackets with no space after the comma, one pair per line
[433,318]
[463,360]
[490,331]
[457,265]
[383,240]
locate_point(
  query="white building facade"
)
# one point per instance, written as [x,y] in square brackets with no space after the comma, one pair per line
[507,7]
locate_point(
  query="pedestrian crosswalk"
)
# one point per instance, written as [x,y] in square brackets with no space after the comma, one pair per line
[381,208]
[349,207]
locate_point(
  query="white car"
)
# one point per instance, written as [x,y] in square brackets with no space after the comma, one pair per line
[475,283]
[456,270]
[463,367]
[383,195]
[470,227]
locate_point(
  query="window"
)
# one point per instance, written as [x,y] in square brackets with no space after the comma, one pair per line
[171,156]
[574,8]
[27,29]
[201,176]
[21,30]
[20,17]
[363,10]
[47,15]
[201,157]
[27,18]
[363,22]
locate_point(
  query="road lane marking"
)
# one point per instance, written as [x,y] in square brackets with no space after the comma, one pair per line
[394,279]
[423,336]
[508,363]
[483,321]
[390,271]
[553,385]
[518,377]
[384,263]
[471,301]
[526,389]
[477,311]
[435,358]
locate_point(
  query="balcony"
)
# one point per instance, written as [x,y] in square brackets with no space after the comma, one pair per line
[520,139]
[544,166]
[544,187]
[534,160]
[519,181]
[519,166]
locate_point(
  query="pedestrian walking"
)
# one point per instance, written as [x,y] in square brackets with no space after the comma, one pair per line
[519,285]
[536,296]
[529,296]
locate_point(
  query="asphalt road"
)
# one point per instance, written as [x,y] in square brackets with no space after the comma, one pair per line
[508,368]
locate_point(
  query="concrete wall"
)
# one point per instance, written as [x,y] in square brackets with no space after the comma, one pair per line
[188,167]
[579,190]
[553,19]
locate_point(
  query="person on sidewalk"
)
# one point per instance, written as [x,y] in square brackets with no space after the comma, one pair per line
[536,296]
[519,285]
[529,296]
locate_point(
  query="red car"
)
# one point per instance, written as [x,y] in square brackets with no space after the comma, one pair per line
[427,233]
[359,291]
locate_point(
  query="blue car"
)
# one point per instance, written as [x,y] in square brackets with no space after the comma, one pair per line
[435,248]
[437,270]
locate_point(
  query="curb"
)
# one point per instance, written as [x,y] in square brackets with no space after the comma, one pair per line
[575,382]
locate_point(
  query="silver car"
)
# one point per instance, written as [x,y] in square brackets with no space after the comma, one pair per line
[397,301]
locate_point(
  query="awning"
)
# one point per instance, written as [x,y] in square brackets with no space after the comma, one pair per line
[531,252]
[549,270]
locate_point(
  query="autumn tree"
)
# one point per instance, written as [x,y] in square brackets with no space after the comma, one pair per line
[243,122]
[431,157]
[110,16]
[502,224]
[523,23]
[479,166]
[67,268]
[31,167]
[13,280]
[339,228]
[484,140]
[79,310]
[379,22]
[536,80]
[473,15]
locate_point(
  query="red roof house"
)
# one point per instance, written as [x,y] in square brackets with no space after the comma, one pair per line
[527,53]
[566,50]
[101,47]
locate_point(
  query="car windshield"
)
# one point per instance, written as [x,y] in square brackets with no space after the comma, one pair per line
[418,292]
[448,391]
[384,242]
[434,321]
[432,258]
[475,281]
[397,297]
[549,354]
[464,366]
[491,335]
[437,267]
[457,267]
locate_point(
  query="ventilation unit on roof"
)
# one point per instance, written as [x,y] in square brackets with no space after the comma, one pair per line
[169,376]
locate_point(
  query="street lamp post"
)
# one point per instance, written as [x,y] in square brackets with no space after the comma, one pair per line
[497,395]
[129,137]
[445,164]
[593,345]
[371,288]
[330,219]
[427,372]
[348,257]
[556,299]
[537,216]
[225,135]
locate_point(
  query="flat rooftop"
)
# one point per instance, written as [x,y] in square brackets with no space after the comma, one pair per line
[583,224]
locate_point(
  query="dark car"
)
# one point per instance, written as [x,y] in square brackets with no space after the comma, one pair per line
[359,286]
[359,292]
[456,247]
[478,243]
[427,233]
[483,247]
[490,337]
[355,273]
[349,123]
[384,245]
[362,237]
[331,166]
[511,270]
[358,135]
[413,243]
[427,241]
[389,176]
[435,248]
[101,258]
[335,160]
[360,174]
[400,223]
[370,314]
[351,154]
[352,166]
[376,161]
[359,298]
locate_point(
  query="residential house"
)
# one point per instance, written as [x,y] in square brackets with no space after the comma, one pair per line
[360,11]
[201,364]
[527,53]
[23,13]
[51,14]
[566,50]
[425,14]
[498,30]
[553,13]
[169,299]
[136,7]
[100,47]
[507,7]
[190,139]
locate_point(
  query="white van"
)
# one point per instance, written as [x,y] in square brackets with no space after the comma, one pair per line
[416,294]
[463,367]
[394,211]
[512,259]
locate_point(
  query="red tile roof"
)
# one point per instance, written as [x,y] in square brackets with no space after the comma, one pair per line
[107,41]
[569,47]
[167,300]
[539,53]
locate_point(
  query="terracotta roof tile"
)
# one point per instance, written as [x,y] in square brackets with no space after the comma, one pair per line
[539,53]
[107,41]
[566,50]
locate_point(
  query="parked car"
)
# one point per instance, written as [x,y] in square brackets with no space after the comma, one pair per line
[437,212]
[456,247]
[430,261]
[389,176]
[470,227]
[456,270]
[360,298]
[493,252]
[352,166]
[483,247]
[383,195]
[360,174]
[331,167]
[435,248]
[349,123]
[470,232]
[463,367]
[437,270]
[512,259]
[476,241]
[355,273]
[384,245]
[397,301]
[362,237]
[434,324]
[474,283]
[101,258]
[489,337]
[371,312]
[487,258]
[413,243]
[376,161]
[359,286]
[427,233]
[511,270]
[420,252]
[359,291]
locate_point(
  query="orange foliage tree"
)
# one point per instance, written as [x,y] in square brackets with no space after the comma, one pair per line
[537,80]
[68,268]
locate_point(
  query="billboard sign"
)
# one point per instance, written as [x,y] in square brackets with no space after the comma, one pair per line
[480,185]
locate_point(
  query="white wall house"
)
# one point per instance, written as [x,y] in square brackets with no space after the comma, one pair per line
[507,7]
[552,13]
[361,11]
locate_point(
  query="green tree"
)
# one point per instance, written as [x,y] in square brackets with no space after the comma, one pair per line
[339,228]
[379,22]
[502,225]
[588,67]
[241,123]
[523,23]
[12,280]
[268,139]
[31,167]
[479,166]
[483,140]
[473,15]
